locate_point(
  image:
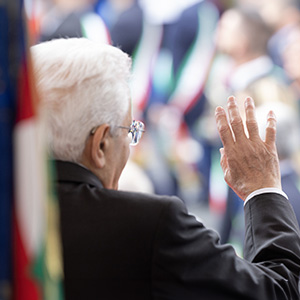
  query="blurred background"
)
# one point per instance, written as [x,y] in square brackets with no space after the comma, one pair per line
[188,57]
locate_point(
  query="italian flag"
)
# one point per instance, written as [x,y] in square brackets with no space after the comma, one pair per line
[36,249]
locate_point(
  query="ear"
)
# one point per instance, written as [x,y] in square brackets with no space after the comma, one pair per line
[100,143]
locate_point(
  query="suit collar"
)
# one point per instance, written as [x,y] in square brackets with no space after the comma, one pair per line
[69,171]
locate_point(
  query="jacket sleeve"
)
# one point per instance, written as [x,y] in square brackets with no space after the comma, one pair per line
[190,263]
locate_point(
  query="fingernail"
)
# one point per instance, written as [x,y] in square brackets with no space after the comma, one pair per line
[249,101]
[219,110]
[272,115]
[231,100]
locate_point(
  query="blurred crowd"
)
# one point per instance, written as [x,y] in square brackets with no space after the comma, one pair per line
[188,57]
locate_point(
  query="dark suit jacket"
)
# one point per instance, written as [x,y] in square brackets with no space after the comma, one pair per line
[121,245]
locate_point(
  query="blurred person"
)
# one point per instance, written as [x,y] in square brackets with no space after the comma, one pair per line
[242,62]
[291,60]
[243,37]
[282,16]
[126,31]
[69,18]
[125,245]
[177,94]
[154,37]
[193,46]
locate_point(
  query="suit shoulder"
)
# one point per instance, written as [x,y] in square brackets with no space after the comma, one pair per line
[145,198]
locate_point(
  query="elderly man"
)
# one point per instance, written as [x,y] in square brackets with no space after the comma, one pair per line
[125,245]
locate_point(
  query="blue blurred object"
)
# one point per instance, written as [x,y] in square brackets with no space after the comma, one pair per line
[7,116]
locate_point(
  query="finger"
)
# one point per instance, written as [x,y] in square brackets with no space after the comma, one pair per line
[224,164]
[251,122]
[223,161]
[235,119]
[271,129]
[223,127]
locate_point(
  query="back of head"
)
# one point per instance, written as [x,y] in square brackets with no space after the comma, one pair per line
[255,29]
[82,84]
[243,32]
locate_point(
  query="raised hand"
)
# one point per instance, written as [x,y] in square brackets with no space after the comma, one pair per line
[248,162]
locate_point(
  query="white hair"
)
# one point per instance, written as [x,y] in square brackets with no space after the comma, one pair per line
[82,84]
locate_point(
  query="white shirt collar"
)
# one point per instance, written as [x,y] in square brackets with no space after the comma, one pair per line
[249,72]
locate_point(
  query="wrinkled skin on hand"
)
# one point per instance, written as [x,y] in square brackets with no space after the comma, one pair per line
[248,162]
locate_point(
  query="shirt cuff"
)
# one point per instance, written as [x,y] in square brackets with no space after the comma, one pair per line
[264,191]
